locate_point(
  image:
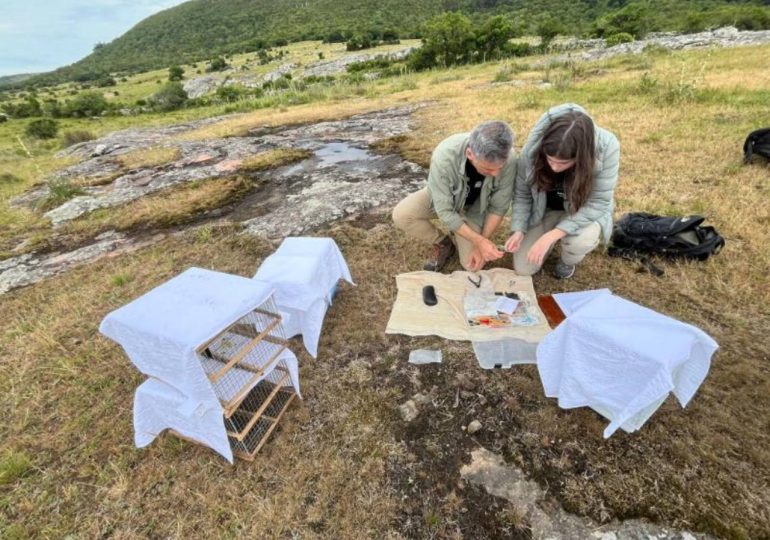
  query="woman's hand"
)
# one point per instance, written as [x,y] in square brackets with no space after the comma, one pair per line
[538,251]
[513,243]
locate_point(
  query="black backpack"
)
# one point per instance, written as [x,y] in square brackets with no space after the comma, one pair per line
[757,143]
[639,234]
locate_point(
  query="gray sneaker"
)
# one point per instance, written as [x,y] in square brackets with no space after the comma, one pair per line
[563,270]
[439,255]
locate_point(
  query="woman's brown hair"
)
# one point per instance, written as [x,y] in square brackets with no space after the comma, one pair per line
[570,136]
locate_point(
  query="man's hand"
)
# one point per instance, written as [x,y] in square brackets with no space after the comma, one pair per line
[488,250]
[475,260]
[513,243]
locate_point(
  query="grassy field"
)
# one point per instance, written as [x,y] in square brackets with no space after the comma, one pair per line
[344,465]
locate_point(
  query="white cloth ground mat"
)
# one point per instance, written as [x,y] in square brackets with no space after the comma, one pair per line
[622,360]
[304,273]
[449,317]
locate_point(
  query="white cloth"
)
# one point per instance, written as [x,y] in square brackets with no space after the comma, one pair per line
[160,332]
[304,272]
[504,353]
[622,360]
[571,301]
[159,406]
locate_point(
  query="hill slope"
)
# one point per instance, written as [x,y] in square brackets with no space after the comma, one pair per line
[200,29]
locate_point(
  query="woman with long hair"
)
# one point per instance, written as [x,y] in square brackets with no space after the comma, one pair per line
[564,189]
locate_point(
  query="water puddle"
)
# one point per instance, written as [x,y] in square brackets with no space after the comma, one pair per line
[339,152]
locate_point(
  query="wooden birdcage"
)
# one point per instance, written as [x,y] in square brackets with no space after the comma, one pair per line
[253,384]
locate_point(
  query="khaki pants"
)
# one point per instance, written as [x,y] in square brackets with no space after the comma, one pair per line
[414,216]
[574,247]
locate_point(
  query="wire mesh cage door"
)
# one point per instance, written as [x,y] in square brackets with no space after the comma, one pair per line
[244,367]
[250,426]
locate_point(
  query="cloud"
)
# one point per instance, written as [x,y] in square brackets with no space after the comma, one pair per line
[45,34]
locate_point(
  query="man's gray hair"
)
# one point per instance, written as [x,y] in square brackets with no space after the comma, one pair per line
[491,141]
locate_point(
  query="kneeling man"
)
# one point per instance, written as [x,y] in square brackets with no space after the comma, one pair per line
[470,186]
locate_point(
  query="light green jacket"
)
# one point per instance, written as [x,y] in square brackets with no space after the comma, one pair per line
[529,203]
[448,185]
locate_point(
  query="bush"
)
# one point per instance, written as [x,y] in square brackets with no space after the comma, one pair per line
[28,108]
[620,37]
[78,136]
[217,64]
[359,42]
[230,93]
[44,128]
[106,81]
[175,73]
[172,96]
[8,178]
[375,64]
[86,104]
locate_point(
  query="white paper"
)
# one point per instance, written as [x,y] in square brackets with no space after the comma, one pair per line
[506,305]
[425,356]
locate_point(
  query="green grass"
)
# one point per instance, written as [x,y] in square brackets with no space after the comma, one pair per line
[13,466]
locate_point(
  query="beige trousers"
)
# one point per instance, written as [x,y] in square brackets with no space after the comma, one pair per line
[414,216]
[574,247]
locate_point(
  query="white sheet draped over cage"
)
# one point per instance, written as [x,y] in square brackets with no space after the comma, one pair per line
[209,339]
[304,272]
[621,359]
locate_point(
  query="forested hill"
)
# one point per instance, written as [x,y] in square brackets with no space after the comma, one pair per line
[200,29]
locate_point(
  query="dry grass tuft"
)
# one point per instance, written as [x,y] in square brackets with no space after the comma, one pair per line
[274,158]
[148,157]
[173,207]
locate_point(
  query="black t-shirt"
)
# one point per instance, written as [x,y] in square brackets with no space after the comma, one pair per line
[475,181]
[556,195]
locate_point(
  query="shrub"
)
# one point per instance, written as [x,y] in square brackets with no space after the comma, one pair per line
[175,73]
[28,108]
[8,178]
[106,81]
[77,136]
[172,96]
[230,93]
[358,42]
[620,37]
[86,104]
[44,128]
[217,64]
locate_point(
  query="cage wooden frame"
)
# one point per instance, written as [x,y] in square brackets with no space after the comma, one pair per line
[239,361]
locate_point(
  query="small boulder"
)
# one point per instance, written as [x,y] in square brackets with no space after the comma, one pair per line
[408,411]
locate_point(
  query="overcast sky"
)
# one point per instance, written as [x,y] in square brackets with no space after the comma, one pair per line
[41,35]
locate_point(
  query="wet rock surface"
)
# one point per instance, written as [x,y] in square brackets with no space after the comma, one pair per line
[342,178]
[30,268]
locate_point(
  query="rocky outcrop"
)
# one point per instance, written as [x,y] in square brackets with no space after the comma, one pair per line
[721,37]
[30,268]
[200,86]
[341,178]
[490,471]
[333,67]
